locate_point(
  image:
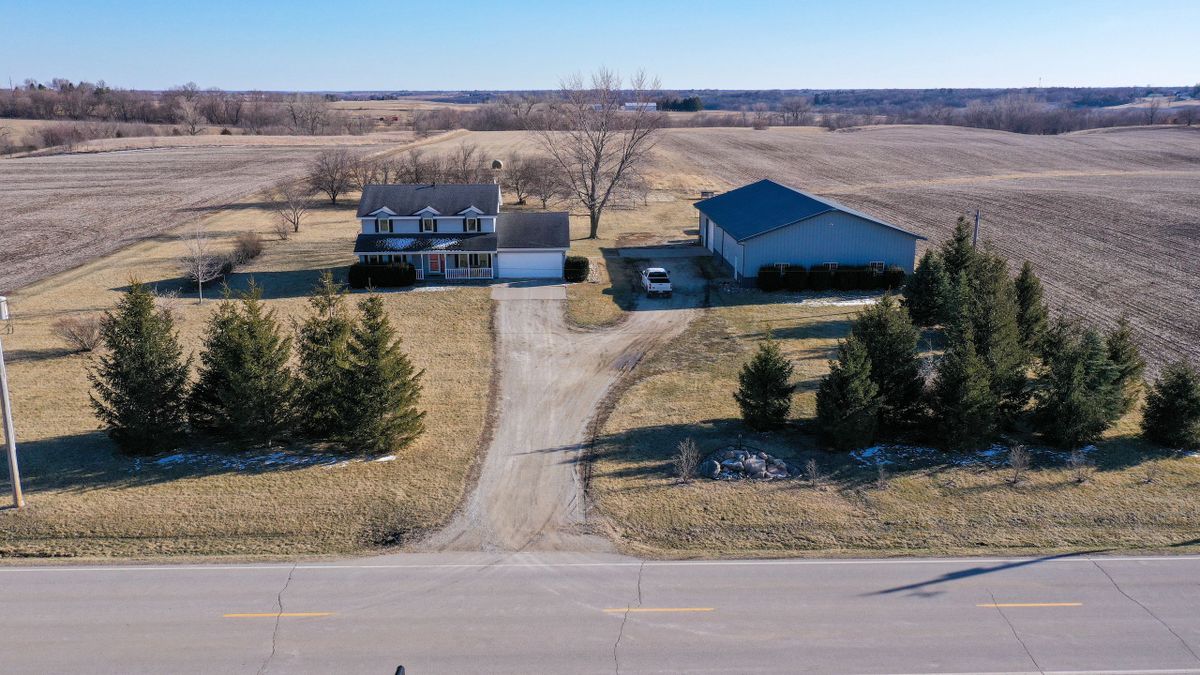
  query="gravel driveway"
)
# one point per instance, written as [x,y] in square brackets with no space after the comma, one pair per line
[552,377]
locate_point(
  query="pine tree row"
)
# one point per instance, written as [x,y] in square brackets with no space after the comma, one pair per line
[1005,364]
[352,383]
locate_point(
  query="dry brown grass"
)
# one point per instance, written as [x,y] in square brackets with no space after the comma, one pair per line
[84,500]
[939,508]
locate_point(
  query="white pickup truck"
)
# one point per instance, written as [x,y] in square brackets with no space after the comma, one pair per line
[656,281]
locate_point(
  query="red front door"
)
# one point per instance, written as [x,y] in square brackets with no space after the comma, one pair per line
[436,262]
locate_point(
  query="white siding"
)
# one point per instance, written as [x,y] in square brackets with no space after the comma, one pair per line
[412,225]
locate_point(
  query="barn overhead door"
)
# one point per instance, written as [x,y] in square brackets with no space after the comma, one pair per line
[531,265]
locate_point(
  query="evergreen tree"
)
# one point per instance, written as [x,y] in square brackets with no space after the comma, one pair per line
[1127,361]
[139,383]
[1079,398]
[1032,313]
[925,294]
[764,388]
[847,400]
[382,385]
[963,403]
[1172,415]
[890,340]
[245,389]
[958,252]
[323,346]
[994,321]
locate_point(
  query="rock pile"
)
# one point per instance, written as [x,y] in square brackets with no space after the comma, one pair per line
[734,463]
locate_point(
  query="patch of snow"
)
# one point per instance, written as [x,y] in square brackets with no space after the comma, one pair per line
[171,459]
[838,300]
[386,458]
[889,455]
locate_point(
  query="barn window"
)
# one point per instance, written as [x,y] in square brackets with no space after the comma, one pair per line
[877,266]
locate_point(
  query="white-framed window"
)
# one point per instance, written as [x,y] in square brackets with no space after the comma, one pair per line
[470,225]
[429,224]
[383,225]
[831,266]
[877,266]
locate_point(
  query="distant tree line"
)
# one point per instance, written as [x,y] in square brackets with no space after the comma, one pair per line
[351,383]
[105,112]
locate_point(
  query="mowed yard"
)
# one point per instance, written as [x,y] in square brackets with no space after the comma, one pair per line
[84,499]
[926,502]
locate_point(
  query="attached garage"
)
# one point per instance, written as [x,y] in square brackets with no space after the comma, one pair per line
[531,264]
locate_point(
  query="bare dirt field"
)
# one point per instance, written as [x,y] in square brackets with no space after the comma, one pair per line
[1110,218]
[62,210]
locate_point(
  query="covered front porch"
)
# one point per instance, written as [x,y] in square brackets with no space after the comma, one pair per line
[448,266]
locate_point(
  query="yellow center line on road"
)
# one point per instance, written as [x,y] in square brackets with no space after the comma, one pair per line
[272,615]
[622,610]
[1031,604]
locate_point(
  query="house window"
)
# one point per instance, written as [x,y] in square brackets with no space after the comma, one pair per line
[876,266]
[471,225]
[383,225]
[481,260]
[429,225]
[831,266]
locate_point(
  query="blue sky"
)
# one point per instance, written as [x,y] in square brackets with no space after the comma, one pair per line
[469,44]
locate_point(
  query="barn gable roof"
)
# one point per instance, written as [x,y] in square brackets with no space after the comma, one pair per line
[764,206]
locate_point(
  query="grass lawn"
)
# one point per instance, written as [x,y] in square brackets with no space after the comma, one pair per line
[86,500]
[1136,499]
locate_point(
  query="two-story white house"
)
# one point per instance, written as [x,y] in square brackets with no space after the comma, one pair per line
[458,232]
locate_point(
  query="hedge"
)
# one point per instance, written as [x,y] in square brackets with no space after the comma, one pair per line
[847,278]
[382,276]
[575,268]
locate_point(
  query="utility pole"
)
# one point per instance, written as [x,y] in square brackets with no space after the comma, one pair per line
[975,239]
[10,438]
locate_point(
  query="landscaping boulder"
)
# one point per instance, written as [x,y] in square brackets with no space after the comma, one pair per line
[709,469]
[741,463]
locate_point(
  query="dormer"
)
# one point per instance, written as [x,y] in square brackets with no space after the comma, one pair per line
[379,220]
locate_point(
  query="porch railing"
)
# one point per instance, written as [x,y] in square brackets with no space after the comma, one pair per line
[420,274]
[469,273]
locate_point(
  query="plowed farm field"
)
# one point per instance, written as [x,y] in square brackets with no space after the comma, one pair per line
[1110,218]
[59,211]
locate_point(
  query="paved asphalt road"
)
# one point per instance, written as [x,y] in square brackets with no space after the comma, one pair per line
[564,613]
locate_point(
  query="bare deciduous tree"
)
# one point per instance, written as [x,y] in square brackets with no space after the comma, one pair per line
[518,177]
[82,333]
[1152,108]
[331,172]
[1018,463]
[545,182]
[201,263]
[290,201]
[467,165]
[187,113]
[1081,467]
[796,110]
[686,460]
[595,141]
[364,171]
[812,471]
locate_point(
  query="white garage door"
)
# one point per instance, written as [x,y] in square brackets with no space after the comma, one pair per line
[531,265]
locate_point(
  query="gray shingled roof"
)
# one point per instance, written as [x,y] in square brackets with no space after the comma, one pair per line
[420,243]
[760,207]
[523,229]
[448,199]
